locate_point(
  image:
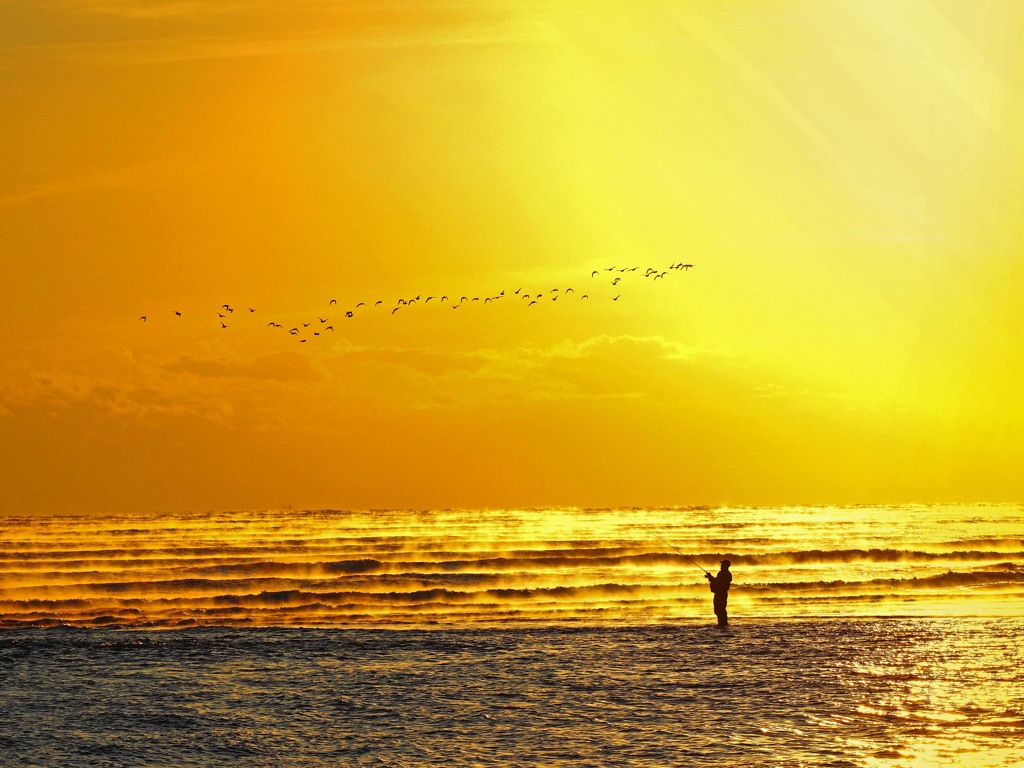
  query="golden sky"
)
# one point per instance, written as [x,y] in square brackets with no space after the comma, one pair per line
[846,177]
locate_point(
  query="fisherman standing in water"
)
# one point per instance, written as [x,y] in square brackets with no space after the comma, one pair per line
[720,586]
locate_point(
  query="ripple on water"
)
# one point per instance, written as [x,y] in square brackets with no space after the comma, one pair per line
[841,693]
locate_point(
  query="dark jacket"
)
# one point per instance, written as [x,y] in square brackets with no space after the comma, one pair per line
[720,583]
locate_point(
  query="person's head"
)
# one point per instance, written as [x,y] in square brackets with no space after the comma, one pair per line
[725,564]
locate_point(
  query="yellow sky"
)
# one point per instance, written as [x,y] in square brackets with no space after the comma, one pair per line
[843,176]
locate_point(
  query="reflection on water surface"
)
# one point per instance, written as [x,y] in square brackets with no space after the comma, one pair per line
[901,693]
[507,567]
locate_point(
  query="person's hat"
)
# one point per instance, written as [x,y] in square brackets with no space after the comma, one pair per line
[726,563]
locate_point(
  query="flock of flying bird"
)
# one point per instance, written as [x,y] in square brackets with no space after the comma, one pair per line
[304,331]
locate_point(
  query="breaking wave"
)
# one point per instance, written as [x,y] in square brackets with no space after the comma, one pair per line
[485,567]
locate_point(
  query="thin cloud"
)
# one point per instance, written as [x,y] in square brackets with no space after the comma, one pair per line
[125,31]
[158,9]
[125,177]
[280,366]
[436,377]
[659,346]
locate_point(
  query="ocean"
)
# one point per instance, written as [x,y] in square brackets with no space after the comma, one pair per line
[858,636]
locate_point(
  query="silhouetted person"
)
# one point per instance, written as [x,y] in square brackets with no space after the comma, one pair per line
[720,586]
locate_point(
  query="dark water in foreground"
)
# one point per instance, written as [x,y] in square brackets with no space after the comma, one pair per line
[834,692]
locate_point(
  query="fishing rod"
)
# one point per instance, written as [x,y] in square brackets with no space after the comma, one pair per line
[688,559]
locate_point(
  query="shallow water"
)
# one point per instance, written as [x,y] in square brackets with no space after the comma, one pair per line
[455,568]
[864,692]
[861,636]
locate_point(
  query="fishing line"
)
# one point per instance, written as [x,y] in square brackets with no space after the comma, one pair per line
[679,551]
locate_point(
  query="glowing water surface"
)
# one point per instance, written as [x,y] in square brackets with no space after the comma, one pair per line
[901,693]
[458,568]
[860,637]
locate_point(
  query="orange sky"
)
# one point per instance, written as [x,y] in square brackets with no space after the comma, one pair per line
[843,175]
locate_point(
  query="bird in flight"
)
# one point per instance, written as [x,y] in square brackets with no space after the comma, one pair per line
[225,310]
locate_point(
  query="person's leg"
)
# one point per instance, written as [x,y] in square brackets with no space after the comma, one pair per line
[720,610]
